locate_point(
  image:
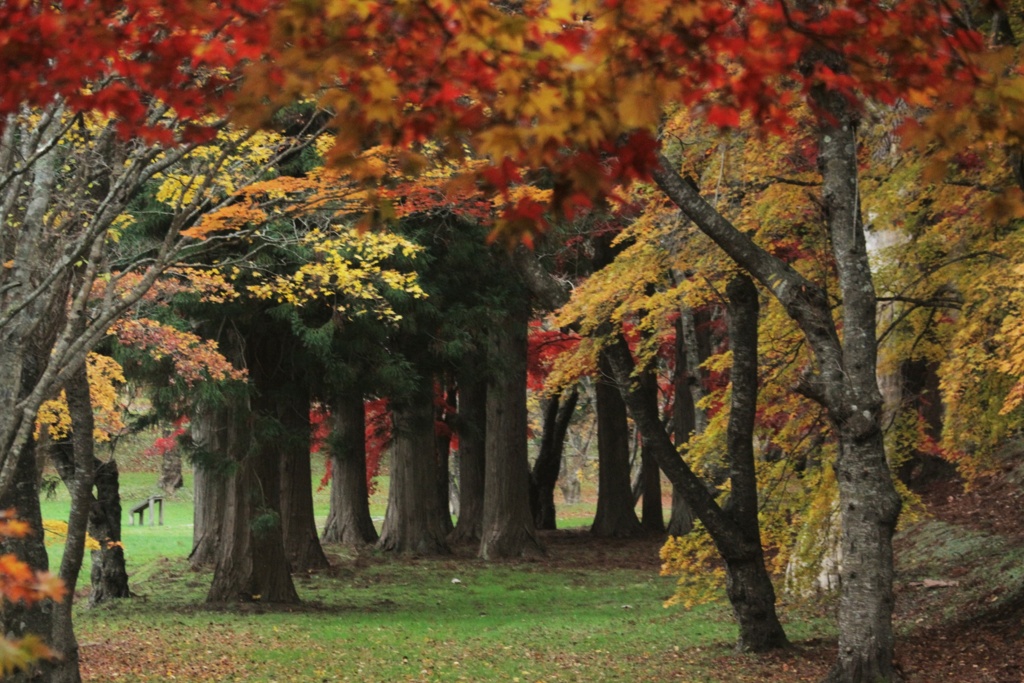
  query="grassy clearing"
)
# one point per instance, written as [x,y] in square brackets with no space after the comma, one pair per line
[374,618]
[587,614]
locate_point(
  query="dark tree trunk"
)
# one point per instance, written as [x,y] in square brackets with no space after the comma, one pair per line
[109,574]
[747,582]
[349,520]
[413,522]
[301,542]
[251,561]
[616,515]
[687,420]
[19,619]
[508,529]
[217,439]
[544,477]
[653,516]
[472,427]
[758,626]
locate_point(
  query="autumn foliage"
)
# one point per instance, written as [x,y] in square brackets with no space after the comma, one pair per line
[20,583]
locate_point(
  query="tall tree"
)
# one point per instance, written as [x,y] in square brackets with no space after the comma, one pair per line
[615,516]
[508,528]
[349,521]
[413,522]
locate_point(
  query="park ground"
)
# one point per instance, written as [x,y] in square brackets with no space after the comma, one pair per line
[591,611]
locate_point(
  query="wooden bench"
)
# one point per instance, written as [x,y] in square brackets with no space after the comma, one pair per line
[148,504]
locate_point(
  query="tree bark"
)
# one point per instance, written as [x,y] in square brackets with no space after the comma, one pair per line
[747,582]
[508,529]
[301,541]
[747,585]
[472,428]
[217,439]
[413,522]
[544,477]
[349,521]
[251,563]
[616,515]
[844,382]
[63,641]
[652,515]
[18,619]
[109,573]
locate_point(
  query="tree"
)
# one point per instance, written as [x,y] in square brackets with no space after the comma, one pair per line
[589,80]
[349,519]
[21,583]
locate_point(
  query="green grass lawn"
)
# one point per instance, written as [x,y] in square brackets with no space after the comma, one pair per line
[595,616]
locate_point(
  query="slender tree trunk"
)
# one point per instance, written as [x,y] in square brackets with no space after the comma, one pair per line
[508,529]
[65,670]
[544,477]
[748,587]
[653,516]
[868,503]
[472,427]
[413,522]
[688,421]
[616,516]
[109,573]
[747,582]
[349,521]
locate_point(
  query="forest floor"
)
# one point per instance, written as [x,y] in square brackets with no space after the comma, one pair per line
[591,610]
[959,587]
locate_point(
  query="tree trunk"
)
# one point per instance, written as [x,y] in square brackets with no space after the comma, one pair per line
[508,529]
[349,521]
[688,421]
[868,503]
[472,428]
[217,439]
[747,586]
[616,515]
[251,564]
[63,641]
[747,582]
[109,574]
[844,379]
[413,522]
[544,477]
[653,516]
[301,541]
[19,619]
